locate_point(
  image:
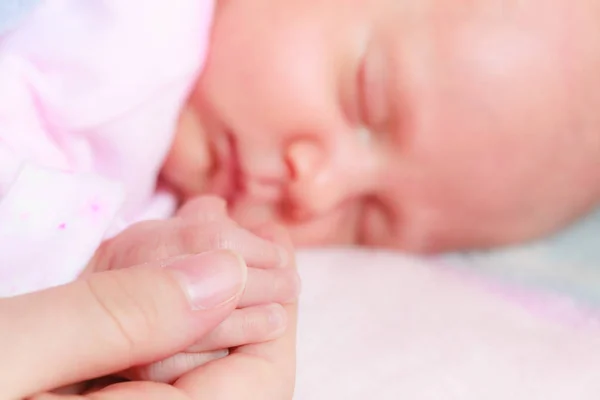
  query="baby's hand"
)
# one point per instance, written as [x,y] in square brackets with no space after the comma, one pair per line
[203,225]
[200,225]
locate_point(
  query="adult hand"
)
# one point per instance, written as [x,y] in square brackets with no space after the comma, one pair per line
[203,224]
[264,371]
[114,320]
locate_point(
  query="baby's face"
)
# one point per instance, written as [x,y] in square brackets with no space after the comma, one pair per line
[416,124]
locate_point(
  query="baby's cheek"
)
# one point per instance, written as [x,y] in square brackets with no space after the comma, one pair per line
[503,112]
[188,163]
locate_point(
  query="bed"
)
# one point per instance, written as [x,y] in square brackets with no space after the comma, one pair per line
[518,323]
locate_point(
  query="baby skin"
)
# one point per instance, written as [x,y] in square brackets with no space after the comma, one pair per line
[200,226]
[424,126]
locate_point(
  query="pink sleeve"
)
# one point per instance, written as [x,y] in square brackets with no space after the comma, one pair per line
[89,98]
[50,225]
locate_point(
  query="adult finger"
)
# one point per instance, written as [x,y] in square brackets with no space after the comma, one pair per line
[264,371]
[125,391]
[244,326]
[113,320]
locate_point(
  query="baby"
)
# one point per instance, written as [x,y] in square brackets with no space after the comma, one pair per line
[418,125]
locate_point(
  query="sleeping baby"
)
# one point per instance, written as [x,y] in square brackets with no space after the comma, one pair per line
[423,126]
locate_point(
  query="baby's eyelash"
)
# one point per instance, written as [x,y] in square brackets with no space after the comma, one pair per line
[362,91]
[372,92]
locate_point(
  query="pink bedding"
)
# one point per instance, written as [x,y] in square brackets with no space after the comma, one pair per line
[378,326]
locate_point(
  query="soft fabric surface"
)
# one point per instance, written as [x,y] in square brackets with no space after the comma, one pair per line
[568,262]
[90,93]
[383,326]
[12,11]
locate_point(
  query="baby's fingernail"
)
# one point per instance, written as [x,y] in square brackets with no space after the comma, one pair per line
[211,279]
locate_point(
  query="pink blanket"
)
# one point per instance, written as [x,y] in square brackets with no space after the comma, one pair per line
[90,93]
[382,326]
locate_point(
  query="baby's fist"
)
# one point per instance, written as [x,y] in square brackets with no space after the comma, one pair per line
[200,225]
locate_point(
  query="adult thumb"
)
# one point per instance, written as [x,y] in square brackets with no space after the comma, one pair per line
[114,320]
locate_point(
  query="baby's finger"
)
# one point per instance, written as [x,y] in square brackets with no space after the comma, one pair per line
[153,241]
[204,209]
[172,368]
[256,251]
[245,326]
[281,285]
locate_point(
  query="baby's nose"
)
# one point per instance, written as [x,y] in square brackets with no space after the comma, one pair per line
[305,158]
[318,183]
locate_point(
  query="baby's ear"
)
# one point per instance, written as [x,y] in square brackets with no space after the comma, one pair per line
[203,209]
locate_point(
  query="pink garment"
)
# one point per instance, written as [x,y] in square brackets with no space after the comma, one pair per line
[89,98]
[383,326]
